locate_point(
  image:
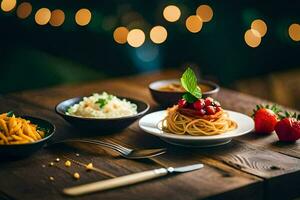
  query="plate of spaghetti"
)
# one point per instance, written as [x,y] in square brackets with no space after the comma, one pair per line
[195,121]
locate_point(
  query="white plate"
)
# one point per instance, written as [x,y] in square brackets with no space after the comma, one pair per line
[150,123]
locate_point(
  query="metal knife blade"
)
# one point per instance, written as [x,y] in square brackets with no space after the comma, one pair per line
[187,168]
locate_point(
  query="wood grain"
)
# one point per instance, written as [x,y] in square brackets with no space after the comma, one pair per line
[250,167]
[26,183]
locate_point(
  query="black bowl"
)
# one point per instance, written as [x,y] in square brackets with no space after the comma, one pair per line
[13,151]
[171,98]
[100,126]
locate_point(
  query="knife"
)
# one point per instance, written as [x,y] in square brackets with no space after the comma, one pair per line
[127,180]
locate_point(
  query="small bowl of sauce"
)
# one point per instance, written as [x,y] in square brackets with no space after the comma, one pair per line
[168,92]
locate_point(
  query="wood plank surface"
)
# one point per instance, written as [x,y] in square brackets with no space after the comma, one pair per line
[250,167]
[23,183]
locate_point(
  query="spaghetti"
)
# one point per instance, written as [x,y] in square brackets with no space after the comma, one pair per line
[180,122]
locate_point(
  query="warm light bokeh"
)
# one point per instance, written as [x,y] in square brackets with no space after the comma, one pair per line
[42,16]
[158,34]
[171,13]
[24,10]
[260,26]
[136,38]
[83,17]
[8,5]
[57,17]
[205,12]
[294,32]
[193,23]
[252,38]
[120,35]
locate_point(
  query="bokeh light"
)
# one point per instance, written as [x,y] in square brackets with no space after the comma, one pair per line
[193,23]
[260,26]
[120,35]
[171,13]
[57,18]
[294,32]
[158,34]
[24,10]
[83,17]
[42,16]
[8,5]
[205,12]
[136,38]
[252,38]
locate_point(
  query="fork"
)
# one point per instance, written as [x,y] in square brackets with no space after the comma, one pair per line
[124,151]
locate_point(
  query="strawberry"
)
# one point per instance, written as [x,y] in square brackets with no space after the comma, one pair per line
[288,128]
[265,118]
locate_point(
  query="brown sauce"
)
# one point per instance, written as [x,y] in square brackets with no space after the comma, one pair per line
[176,87]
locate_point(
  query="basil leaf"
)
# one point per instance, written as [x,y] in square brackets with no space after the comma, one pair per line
[190,84]
[197,92]
[101,102]
[189,98]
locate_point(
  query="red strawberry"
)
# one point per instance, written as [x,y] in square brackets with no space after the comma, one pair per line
[265,119]
[288,129]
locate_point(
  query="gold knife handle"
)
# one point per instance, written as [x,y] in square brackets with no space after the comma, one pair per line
[115,182]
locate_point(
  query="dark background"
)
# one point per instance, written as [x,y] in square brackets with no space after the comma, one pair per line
[33,56]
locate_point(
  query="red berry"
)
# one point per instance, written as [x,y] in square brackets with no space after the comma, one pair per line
[199,104]
[210,110]
[218,109]
[182,103]
[265,120]
[288,130]
[208,101]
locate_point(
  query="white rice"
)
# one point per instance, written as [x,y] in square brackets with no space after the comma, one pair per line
[113,107]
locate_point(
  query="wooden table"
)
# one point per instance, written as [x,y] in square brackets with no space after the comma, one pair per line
[250,167]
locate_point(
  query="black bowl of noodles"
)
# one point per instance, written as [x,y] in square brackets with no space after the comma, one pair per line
[21,149]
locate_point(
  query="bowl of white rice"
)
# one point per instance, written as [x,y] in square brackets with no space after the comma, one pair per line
[101,112]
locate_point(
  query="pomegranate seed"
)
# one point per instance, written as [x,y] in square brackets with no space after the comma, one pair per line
[182,103]
[210,110]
